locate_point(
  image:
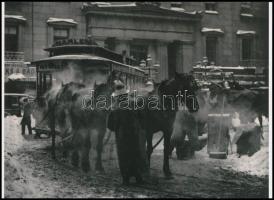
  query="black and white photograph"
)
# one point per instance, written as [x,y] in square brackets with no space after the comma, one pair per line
[136,99]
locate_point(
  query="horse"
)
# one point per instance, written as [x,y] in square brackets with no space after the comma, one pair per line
[86,126]
[56,103]
[162,119]
[192,125]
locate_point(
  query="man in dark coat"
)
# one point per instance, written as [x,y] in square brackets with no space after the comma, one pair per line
[26,120]
[128,131]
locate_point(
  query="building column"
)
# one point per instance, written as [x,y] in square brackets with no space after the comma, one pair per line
[162,57]
[187,50]
[180,59]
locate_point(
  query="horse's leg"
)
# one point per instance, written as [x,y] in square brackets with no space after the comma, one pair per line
[65,152]
[53,144]
[85,154]
[171,150]
[149,136]
[75,158]
[193,140]
[52,127]
[99,148]
[166,168]
[75,147]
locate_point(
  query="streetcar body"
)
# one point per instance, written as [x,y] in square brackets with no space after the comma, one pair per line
[84,63]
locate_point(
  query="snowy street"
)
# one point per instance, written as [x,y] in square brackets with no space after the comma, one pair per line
[31,172]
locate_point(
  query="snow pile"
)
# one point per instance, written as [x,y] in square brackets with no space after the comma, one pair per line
[17,182]
[17,179]
[258,163]
[13,138]
[254,165]
[16,76]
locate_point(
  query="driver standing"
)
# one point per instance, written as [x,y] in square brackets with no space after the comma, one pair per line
[26,120]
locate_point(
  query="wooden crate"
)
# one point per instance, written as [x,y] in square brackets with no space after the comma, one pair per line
[218,135]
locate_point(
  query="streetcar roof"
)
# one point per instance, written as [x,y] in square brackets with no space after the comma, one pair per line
[18,94]
[83,57]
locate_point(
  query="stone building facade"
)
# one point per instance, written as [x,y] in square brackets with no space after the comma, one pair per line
[175,35]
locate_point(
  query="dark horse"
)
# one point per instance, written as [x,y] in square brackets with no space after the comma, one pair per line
[163,118]
[153,117]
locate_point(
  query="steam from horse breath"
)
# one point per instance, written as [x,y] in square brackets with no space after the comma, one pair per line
[75,73]
[72,73]
[242,107]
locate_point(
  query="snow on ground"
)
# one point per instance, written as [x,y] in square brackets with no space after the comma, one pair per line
[19,179]
[30,172]
[258,163]
[205,166]
[13,137]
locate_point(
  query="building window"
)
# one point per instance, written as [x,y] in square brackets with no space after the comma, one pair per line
[211,48]
[11,38]
[60,34]
[211,6]
[246,8]
[139,52]
[247,48]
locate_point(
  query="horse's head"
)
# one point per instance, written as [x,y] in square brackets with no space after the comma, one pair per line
[186,84]
[67,91]
[186,81]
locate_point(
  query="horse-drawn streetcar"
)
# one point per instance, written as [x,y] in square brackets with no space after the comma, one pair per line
[79,61]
